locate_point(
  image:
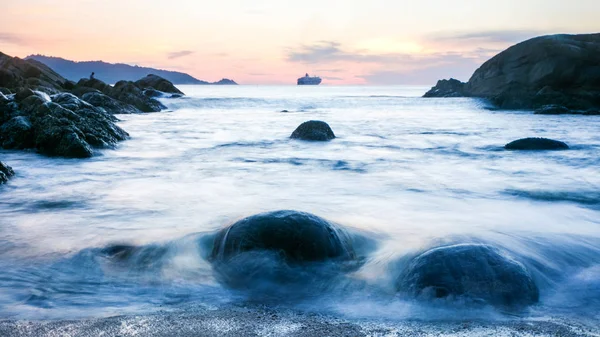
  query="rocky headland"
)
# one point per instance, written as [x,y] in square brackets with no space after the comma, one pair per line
[41,110]
[554,74]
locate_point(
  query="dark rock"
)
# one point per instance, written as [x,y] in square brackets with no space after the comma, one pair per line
[69,85]
[153,93]
[8,109]
[176,96]
[157,83]
[552,109]
[296,236]
[109,104]
[5,91]
[93,83]
[31,104]
[17,133]
[447,88]
[556,69]
[71,102]
[63,132]
[313,130]
[284,110]
[591,112]
[129,93]
[15,73]
[23,93]
[473,272]
[536,144]
[5,172]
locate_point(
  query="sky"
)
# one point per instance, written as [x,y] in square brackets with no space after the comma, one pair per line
[372,42]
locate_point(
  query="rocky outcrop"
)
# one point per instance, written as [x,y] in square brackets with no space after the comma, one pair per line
[313,130]
[536,144]
[157,83]
[469,272]
[447,88]
[18,73]
[5,173]
[556,69]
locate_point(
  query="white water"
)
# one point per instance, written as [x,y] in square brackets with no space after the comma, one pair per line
[409,171]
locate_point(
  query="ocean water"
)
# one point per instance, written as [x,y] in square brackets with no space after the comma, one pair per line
[406,173]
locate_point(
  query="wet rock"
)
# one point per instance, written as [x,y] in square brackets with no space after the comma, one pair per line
[447,88]
[87,84]
[153,93]
[5,91]
[471,272]
[129,93]
[70,101]
[31,104]
[62,132]
[5,172]
[552,109]
[536,144]
[23,93]
[109,104]
[297,237]
[313,130]
[284,110]
[17,133]
[158,83]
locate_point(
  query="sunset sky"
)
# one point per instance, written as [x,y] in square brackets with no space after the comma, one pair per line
[276,41]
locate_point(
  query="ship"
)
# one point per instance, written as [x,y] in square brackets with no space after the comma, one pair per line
[309,80]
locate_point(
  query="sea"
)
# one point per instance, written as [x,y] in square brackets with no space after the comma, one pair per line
[406,173]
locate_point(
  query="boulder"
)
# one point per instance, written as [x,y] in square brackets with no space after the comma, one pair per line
[296,237]
[17,133]
[23,93]
[536,144]
[158,83]
[109,104]
[555,69]
[128,92]
[70,101]
[313,130]
[5,91]
[552,109]
[447,88]
[5,172]
[469,272]
[93,83]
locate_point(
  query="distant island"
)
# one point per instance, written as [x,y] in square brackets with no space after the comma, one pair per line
[114,72]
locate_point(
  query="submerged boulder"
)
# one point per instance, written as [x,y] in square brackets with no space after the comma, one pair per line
[158,83]
[536,144]
[471,272]
[313,130]
[5,172]
[297,237]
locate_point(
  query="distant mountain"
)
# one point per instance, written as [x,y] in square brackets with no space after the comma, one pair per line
[114,72]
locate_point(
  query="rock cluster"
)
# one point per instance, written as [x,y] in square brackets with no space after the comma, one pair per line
[40,109]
